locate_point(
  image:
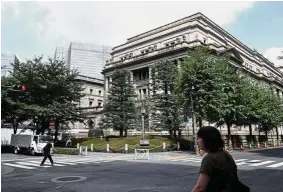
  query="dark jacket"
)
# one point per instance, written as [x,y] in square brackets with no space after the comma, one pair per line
[46,149]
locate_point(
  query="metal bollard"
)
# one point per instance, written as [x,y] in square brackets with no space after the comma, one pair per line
[126,148]
[80,150]
[164,146]
[178,146]
[78,146]
[100,137]
[91,147]
[107,148]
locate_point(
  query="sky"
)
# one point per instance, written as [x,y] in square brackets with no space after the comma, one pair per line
[36,28]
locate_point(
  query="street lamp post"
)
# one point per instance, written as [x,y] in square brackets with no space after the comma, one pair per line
[143,112]
[193,122]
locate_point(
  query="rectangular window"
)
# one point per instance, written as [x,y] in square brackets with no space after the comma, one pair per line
[144,91]
[90,103]
[144,75]
[99,92]
[90,91]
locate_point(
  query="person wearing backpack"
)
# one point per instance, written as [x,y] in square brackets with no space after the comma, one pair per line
[46,153]
[218,171]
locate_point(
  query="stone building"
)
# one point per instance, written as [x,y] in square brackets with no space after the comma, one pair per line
[91,105]
[171,42]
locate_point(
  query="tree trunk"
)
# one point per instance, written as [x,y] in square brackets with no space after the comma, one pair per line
[15,126]
[200,122]
[121,132]
[229,133]
[251,131]
[171,133]
[175,134]
[277,134]
[126,132]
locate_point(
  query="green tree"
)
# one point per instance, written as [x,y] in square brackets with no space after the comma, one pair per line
[52,92]
[11,103]
[213,84]
[165,109]
[120,110]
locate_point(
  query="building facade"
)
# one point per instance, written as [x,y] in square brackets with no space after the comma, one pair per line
[172,41]
[6,60]
[91,105]
[88,59]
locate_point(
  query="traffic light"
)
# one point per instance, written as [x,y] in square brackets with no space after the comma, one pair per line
[20,88]
[226,89]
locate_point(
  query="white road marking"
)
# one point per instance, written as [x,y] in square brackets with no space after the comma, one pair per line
[32,164]
[276,165]
[190,159]
[193,160]
[239,160]
[62,162]
[58,165]
[253,161]
[262,163]
[241,163]
[19,166]
[31,158]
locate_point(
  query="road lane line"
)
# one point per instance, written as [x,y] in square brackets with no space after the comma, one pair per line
[276,165]
[19,166]
[262,163]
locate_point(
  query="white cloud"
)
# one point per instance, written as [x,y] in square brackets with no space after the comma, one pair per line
[272,55]
[111,23]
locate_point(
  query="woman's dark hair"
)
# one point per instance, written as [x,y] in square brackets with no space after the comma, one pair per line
[211,138]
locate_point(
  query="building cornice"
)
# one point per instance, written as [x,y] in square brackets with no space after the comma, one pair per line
[211,27]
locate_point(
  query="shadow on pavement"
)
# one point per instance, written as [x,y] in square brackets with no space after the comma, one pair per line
[278,152]
[258,180]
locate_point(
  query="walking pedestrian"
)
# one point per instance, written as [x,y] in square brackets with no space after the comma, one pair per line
[218,171]
[46,152]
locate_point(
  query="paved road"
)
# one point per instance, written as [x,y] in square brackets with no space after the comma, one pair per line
[104,172]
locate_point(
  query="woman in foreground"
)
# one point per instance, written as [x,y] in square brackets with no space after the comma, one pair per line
[218,171]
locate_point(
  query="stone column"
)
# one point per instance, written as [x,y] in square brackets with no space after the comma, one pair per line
[106,85]
[149,95]
[133,81]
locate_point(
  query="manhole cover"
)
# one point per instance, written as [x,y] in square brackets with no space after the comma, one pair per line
[68,179]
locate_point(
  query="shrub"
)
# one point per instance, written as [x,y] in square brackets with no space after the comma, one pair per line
[67,151]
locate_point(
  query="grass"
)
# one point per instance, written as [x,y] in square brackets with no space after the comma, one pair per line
[118,144]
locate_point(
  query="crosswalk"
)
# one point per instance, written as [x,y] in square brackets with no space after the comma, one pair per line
[35,164]
[239,162]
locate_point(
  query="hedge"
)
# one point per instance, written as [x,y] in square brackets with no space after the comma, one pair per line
[67,151]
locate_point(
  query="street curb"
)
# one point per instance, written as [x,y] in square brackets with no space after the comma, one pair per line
[261,149]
